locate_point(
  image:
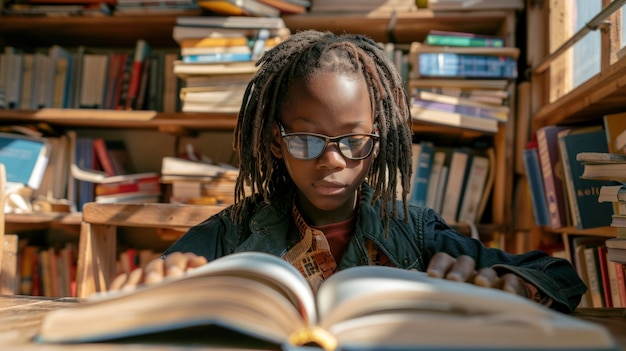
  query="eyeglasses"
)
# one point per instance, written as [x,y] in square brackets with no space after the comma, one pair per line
[309,146]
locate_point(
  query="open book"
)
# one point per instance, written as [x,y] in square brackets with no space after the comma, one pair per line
[265,301]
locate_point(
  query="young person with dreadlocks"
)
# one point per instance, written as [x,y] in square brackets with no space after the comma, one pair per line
[323,136]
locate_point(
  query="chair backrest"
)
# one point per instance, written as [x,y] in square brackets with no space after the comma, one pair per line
[97,246]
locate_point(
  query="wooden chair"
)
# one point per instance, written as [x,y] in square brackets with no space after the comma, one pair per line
[97,243]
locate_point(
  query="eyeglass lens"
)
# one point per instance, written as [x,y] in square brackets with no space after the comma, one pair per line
[311,146]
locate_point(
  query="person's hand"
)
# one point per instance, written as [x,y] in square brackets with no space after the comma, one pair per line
[463,269]
[174,265]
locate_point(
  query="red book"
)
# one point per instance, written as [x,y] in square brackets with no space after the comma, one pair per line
[102,154]
[621,281]
[604,273]
[142,51]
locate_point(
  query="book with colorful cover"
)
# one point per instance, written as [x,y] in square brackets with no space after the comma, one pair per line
[25,158]
[552,171]
[586,211]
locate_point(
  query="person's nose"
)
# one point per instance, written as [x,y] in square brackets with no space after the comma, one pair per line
[332,157]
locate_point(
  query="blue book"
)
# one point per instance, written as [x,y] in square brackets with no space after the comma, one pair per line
[534,176]
[446,64]
[218,57]
[422,173]
[85,158]
[25,158]
[586,211]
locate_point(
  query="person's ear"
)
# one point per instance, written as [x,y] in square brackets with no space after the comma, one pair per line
[276,146]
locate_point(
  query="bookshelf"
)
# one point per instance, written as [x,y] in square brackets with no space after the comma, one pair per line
[584,104]
[401,28]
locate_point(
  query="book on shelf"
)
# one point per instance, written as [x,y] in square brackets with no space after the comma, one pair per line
[615,128]
[491,92]
[93,79]
[616,249]
[463,62]
[577,244]
[53,185]
[25,158]
[460,160]
[223,98]
[258,299]
[437,179]
[218,57]
[421,176]
[456,5]
[586,211]
[603,165]
[537,191]
[286,7]
[140,59]
[184,69]
[621,281]
[424,114]
[440,102]
[177,166]
[552,171]
[596,289]
[235,22]
[252,8]
[475,189]
[609,279]
[448,38]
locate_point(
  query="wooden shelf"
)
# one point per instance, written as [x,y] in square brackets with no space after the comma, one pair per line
[180,122]
[408,27]
[109,31]
[106,31]
[609,232]
[602,94]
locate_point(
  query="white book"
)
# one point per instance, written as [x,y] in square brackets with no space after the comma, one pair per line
[454,185]
[473,192]
[267,301]
[441,188]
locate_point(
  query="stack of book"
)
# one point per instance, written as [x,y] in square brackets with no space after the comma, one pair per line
[198,182]
[218,56]
[461,79]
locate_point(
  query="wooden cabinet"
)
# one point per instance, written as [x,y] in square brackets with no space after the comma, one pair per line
[402,28]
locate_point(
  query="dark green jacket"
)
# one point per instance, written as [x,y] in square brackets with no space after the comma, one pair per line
[407,245]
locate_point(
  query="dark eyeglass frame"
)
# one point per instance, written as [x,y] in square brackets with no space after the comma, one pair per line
[286,136]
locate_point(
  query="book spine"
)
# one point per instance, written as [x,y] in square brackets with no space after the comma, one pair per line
[472,194]
[595,287]
[621,282]
[452,40]
[535,182]
[476,111]
[466,65]
[455,184]
[142,51]
[548,155]
[422,173]
[217,57]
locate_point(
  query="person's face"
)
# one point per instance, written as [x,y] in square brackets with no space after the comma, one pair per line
[331,105]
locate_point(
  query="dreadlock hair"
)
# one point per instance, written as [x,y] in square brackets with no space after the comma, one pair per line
[298,57]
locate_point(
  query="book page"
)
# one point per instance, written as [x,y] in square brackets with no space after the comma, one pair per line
[257,294]
[374,305]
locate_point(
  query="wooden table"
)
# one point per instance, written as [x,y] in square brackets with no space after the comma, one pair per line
[20,317]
